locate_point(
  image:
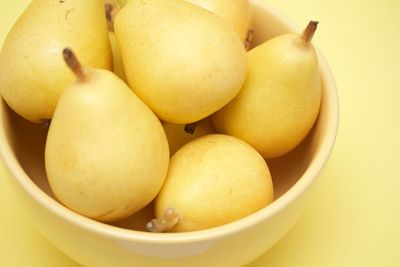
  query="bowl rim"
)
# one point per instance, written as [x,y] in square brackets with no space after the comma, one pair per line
[304,182]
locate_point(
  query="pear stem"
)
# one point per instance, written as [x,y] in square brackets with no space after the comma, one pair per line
[74,64]
[111,8]
[110,21]
[169,219]
[308,33]
[111,12]
[190,128]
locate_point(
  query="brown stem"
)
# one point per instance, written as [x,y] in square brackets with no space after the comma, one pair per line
[308,33]
[74,64]
[169,219]
[111,8]
[110,20]
[190,128]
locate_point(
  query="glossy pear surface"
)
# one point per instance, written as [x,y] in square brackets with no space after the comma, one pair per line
[214,180]
[32,73]
[182,60]
[280,100]
[237,13]
[106,152]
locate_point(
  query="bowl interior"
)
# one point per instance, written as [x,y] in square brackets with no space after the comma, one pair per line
[27,140]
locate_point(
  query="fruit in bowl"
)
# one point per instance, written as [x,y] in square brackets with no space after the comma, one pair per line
[106,153]
[122,243]
[211,181]
[33,74]
[280,99]
[188,62]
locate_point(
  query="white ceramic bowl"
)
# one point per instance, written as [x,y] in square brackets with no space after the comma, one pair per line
[121,245]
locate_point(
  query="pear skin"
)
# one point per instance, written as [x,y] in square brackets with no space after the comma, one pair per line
[213,180]
[280,100]
[180,134]
[112,8]
[184,68]
[33,75]
[106,152]
[237,13]
[118,65]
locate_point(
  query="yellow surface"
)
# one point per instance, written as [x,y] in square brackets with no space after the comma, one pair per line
[354,217]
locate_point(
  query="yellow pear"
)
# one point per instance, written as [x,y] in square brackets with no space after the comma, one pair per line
[280,100]
[106,153]
[118,67]
[237,13]
[112,8]
[211,181]
[180,134]
[183,61]
[32,73]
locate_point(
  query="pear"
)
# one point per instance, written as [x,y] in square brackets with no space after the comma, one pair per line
[213,180]
[237,13]
[180,134]
[106,152]
[183,61]
[112,8]
[32,74]
[118,66]
[280,100]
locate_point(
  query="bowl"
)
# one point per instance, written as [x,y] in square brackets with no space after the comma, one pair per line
[123,244]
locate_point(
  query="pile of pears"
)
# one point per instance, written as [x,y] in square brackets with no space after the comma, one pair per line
[162,102]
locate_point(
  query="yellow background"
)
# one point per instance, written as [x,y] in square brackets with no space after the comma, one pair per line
[354,216]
